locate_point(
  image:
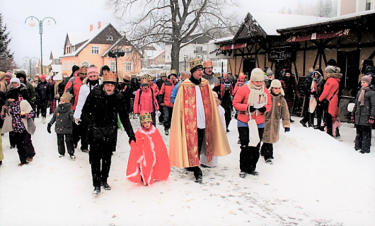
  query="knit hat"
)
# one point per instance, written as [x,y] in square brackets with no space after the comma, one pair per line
[242,76]
[109,77]
[13,93]
[367,78]
[66,97]
[277,84]
[332,69]
[16,80]
[332,62]
[257,75]
[92,71]
[43,77]
[9,73]
[269,72]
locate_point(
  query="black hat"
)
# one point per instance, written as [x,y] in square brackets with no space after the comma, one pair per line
[75,68]
[332,62]
[368,62]
[13,93]
[288,71]
[21,74]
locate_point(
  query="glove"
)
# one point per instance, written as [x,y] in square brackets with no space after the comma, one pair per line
[262,109]
[287,129]
[352,118]
[132,138]
[77,121]
[49,128]
[371,120]
[157,113]
[251,109]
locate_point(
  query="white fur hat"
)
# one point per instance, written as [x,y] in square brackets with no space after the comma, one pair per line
[277,84]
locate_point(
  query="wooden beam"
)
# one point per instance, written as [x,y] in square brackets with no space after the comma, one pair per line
[304,60]
[316,58]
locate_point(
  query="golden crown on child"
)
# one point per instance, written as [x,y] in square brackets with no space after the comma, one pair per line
[109,76]
[145,117]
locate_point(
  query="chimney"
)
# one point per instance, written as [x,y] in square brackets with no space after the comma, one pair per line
[99,24]
[91,27]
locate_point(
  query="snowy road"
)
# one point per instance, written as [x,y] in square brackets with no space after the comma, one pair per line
[315,180]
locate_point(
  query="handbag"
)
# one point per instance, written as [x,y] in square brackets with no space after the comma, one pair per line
[312,104]
[253,132]
[105,134]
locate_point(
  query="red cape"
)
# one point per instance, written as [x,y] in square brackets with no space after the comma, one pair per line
[148,158]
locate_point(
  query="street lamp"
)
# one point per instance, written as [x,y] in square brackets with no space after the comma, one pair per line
[32,24]
[185,58]
[116,54]
[30,60]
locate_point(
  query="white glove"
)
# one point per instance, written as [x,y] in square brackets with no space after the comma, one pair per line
[134,92]
[157,113]
[77,121]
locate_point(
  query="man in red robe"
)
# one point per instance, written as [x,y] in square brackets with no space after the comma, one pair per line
[196,125]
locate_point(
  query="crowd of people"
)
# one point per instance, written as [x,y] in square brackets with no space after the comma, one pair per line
[195,108]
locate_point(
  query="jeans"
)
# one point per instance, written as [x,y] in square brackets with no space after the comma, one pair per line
[167,117]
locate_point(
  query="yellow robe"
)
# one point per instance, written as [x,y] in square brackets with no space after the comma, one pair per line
[182,135]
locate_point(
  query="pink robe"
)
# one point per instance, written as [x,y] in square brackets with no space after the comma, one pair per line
[148,159]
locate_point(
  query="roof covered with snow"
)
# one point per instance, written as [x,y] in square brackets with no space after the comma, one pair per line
[152,54]
[270,22]
[56,54]
[56,67]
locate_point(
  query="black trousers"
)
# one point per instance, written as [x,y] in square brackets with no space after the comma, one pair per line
[328,123]
[161,117]
[100,161]
[25,147]
[267,151]
[249,155]
[12,140]
[363,138]
[201,134]
[43,107]
[167,117]
[319,115]
[228,115]
[68,142]
[80,133]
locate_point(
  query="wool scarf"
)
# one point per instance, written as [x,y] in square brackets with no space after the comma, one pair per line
[361,98]
[255,93]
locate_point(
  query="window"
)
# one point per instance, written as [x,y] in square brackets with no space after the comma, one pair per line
[128,66]
[73,49]
[109,38]
[95,50]
[163,56]
[68,65]
[74,63]
[85,64]
[127,51]
[64,68]
[368,4]
[112,65]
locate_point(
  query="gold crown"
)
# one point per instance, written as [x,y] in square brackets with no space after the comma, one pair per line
[150,78]
[109,76]
[173,72]
[144,79]
[207,63]
[163,74]
[217,75]
[195,62]
[145,117]
[133,76]
[66,97]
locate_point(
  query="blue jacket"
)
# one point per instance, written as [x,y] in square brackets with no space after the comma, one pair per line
[174,92]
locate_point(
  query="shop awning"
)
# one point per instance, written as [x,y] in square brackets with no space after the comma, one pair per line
[233,46]
[319,35]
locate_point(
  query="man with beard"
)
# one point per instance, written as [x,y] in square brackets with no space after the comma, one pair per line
[165,99]
[73,87]
[195,123]
[102,127]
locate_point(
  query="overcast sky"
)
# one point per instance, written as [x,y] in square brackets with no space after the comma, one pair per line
[76,16]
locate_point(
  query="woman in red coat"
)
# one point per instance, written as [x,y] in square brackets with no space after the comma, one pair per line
[252,98]
[330,93]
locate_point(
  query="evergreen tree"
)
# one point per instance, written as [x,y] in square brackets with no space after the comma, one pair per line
[320,9]
[299,9]
[328,8]
[6,57]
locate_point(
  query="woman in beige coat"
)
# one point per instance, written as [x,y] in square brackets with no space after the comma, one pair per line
[279,111]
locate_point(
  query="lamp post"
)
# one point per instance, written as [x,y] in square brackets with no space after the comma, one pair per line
[32,24]
[116,54]
[185,58]
[30,59]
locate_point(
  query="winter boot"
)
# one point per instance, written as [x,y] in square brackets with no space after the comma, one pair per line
[29,159]
[106,186]
[73,157]
[198,175]
[303,123]
[60,155]
[254,173]
[242,174]
[96,190]
[291,120]
[166,132]
[269,161]
[44,120]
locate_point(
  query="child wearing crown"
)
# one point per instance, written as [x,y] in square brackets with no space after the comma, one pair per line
[148,159]
[63,116]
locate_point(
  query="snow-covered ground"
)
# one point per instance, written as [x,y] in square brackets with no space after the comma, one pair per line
[315,180]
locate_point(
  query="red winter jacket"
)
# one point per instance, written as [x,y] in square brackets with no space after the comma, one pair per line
[77,83]
[144,103]
[331,89]
[154,88]
[166,90]
[240,104]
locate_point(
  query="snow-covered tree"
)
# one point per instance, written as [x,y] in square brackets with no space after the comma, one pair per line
[299,9]
[289,11]
[328,8]
[282,10]
[6,56]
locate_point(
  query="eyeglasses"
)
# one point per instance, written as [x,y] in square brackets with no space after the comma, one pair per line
[83,73]
[144,86]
